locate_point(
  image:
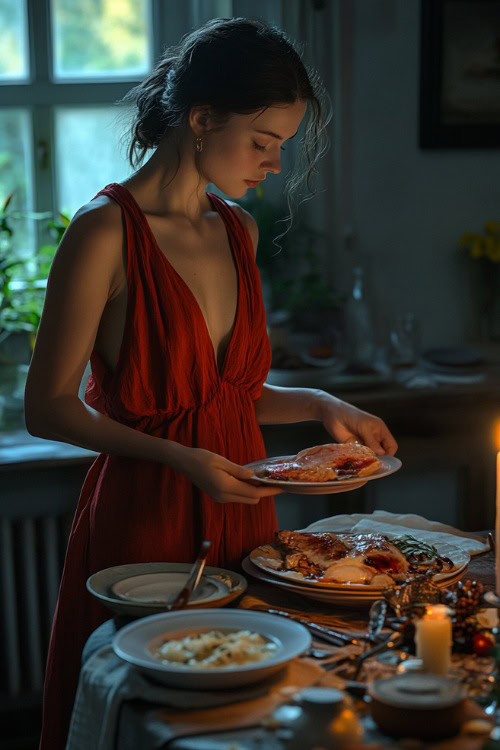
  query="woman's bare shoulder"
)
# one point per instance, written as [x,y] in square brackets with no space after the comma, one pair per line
[248,221]
[100,216]
[93,244]
[94,233]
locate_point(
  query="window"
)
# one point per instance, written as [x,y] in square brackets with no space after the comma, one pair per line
[60,124]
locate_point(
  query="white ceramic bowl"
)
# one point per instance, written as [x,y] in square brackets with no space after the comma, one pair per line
[135,643]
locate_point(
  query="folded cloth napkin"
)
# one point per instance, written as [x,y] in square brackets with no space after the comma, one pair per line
[106,681]
[383,522]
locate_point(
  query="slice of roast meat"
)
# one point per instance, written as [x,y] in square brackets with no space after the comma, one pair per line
[376,551]
[319,548]
[323,463]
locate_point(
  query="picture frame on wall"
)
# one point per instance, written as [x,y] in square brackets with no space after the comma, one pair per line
[460,74]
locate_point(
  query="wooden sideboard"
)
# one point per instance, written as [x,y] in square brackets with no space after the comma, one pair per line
[446,444]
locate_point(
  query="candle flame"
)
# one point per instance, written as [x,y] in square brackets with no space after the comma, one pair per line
[497,434]
[437,611]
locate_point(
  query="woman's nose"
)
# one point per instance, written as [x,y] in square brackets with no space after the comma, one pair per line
[273,165]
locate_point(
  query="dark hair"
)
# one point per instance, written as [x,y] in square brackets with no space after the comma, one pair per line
[235,66]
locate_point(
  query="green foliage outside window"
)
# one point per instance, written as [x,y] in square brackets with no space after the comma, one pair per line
[23,280]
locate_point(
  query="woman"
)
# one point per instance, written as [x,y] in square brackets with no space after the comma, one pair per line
[155,282]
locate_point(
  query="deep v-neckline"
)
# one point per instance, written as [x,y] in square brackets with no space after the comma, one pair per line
[236,261]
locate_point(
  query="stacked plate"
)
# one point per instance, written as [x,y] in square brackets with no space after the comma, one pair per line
[351,595]
[141,589]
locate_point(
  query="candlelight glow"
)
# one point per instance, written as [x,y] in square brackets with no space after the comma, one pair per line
[497,434]
[436,611]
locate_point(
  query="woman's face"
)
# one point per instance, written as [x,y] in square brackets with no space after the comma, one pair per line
[239,155]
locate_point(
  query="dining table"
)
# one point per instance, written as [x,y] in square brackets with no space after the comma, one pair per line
[242,719]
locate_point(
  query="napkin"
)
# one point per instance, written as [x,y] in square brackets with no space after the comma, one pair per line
[383,522]
[106,681]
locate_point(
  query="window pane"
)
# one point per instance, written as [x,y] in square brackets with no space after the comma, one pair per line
[101,38]
[15,180]
[13,48]
[89,153]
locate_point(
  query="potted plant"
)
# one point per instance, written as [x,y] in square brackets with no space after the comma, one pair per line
[22,290]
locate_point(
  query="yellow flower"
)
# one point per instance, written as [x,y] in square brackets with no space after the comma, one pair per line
[476,248]
[492,248]
[486,245]
[492,227]
[468,238]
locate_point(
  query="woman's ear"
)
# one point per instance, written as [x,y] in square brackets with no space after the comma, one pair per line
[200,119]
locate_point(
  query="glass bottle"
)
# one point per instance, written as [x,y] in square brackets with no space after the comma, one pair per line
[360,335]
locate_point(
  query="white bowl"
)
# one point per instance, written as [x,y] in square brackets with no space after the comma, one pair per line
[135,643]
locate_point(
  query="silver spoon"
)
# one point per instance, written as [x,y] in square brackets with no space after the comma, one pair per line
[181,599]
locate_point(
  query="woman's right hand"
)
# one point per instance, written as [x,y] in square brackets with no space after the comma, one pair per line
[222,480]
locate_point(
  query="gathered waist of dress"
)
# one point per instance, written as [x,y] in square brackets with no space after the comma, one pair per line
[137,417]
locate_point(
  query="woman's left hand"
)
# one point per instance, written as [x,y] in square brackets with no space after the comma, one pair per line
[346,423]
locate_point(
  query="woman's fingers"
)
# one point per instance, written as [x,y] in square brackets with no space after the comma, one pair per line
[389,443]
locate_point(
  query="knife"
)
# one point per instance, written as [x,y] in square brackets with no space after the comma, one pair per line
[334,637]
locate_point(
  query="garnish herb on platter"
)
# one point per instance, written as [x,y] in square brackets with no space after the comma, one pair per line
[410,546]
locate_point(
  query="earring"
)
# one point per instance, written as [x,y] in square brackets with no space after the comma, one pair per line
[199,144]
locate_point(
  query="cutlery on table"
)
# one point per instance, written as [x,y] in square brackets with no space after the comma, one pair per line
[376,619]
[181,599]
[393,640]
[335,637]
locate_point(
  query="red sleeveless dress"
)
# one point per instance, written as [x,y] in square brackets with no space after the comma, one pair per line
[166,383]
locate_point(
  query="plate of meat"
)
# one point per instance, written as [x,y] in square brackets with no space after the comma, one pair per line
[324,469]
[353,596]
[358,562]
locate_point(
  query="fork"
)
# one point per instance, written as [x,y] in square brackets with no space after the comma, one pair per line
[181,599]
[393,640]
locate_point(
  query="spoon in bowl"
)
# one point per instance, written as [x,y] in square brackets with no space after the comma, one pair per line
[181,599]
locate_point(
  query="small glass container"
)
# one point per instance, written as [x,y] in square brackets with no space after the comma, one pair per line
[319,718]
[404,338]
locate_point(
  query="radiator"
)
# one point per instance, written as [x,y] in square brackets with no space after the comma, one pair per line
[31,559]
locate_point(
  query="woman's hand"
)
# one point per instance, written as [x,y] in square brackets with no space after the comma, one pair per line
[347,423]
[222,480]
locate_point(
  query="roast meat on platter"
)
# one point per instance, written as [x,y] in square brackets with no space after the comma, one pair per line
[371,559]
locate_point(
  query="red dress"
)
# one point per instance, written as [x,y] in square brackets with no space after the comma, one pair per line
[166,383]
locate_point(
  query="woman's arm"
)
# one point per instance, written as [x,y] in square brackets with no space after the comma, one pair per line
[87,272]
[343,421]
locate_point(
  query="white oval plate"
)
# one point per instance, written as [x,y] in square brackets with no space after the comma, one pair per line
[135,643]
[458,556]
[343,597]
[158,588]
[389,464]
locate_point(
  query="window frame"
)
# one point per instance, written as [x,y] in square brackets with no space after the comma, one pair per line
[40,94]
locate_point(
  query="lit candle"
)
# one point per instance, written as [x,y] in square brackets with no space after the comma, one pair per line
[497,522]
[433,639]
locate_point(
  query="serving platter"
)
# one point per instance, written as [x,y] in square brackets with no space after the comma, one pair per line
[342,595]
[135,643]
[389,464]
[264,556]
[103,585]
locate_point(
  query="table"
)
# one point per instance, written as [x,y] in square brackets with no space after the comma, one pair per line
[143,725]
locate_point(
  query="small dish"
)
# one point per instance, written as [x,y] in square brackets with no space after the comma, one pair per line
[100,585]
[135,643]
[159,588]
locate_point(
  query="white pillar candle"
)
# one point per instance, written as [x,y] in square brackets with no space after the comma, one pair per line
[433,638]
[497,522]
